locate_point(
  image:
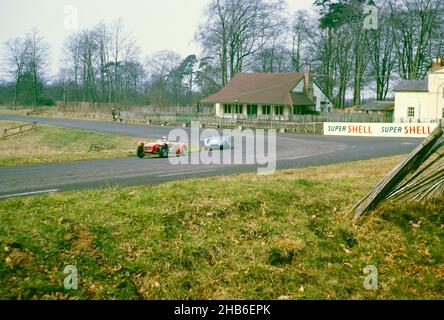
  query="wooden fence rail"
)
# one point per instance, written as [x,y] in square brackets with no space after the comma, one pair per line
[20,129]
[407,167]
[188,117]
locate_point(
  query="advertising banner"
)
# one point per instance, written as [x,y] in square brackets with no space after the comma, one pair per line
[402,130]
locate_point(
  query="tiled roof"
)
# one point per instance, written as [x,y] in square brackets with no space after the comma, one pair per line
[413,85]
[301,99]
[259,88]
[376,105]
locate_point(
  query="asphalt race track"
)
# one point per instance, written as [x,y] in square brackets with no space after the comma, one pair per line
[293,151]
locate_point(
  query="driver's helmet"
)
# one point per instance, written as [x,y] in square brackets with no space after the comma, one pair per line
[164,139]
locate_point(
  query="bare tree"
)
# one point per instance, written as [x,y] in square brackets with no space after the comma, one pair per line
[159,66]
[415,23]
[26,62]
[103,39]
[70,74]
[38,54]
[130,71]
[344,52]
[236,30]
[15,62]
[360,57]
[102,64]
[323,59]
[381,44]
[118,42]
[273,54]
[301,32]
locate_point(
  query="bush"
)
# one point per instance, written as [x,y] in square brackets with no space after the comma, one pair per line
[312,113]
[45,101]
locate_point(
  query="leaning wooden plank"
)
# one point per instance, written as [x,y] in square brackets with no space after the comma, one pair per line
[421,186]
[391,180]
[438,183]
[422,174]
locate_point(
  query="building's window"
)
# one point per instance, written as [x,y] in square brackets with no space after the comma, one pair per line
[227,108]
[279,110]
[238,109]
[315,99]
[443,92]
[410,112]
[266,110]
[252,110]
[301,110]
[443,112]
[296,110]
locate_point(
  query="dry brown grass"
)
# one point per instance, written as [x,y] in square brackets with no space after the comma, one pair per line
[54,144]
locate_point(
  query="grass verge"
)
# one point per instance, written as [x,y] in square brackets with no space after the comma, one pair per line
[52,112]
[55,144]
[234,237]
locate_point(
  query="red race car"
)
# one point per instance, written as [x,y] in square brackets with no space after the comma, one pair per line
[161,147]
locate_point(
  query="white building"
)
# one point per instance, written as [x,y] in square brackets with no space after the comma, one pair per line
[421,100]
[271,95]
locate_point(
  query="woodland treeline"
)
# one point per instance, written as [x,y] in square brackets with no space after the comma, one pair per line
[105,63]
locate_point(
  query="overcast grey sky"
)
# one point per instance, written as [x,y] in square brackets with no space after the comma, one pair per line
[156,24]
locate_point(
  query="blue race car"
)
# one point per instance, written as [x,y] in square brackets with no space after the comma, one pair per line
[217,143]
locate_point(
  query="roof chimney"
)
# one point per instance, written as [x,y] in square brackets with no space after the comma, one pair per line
[308,84]
[437,64]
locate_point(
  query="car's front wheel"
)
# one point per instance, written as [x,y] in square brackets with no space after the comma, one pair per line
[164,152]
[140,152]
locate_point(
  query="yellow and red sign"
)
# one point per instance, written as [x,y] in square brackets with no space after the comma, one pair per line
[404,130]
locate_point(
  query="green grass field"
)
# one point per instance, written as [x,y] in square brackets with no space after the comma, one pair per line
[236,237]
[55,144]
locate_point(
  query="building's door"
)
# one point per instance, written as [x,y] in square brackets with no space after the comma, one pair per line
[252,110]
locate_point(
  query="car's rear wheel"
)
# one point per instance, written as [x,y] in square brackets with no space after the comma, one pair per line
[182,151]
[164,152]
[140,152]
